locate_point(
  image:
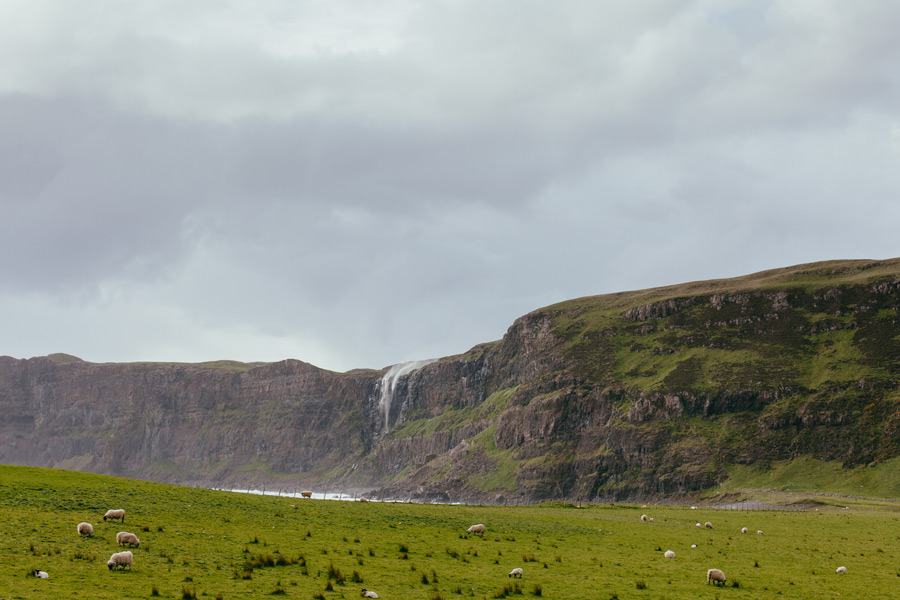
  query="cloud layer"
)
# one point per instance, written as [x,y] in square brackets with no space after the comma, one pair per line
[356,184]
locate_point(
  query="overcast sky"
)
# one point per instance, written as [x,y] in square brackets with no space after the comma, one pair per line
[357,183]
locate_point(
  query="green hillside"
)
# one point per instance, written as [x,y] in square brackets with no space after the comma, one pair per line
[212,544]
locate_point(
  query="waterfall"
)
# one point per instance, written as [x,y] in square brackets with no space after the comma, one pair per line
[389,385]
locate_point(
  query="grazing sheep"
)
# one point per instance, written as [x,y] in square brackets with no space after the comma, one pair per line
[669,554]
[41,574]
[306,494]
[120,559]
[840,570]
[693,545]
[716,576]
[114,514]
[517,572]
[368,593]
[759,532]
[693,508]
[708,525]
[698,525]
[479,528]
[85,529]
[644,518]
[123,538]
[744,530]
[650,519]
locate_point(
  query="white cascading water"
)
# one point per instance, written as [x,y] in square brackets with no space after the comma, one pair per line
[389,385]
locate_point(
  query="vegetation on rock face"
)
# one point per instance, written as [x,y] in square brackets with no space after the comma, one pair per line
[681,383]
[212,544]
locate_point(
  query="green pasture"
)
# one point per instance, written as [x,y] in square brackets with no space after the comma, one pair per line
[215,544]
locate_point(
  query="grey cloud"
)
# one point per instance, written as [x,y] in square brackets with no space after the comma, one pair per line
[405,181]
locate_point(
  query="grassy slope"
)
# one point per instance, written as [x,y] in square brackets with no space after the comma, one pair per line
[738,355]
[196,540]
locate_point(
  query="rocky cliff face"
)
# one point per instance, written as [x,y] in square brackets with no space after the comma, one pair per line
[623,396]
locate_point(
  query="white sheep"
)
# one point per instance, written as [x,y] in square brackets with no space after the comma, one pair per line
[85,529]
[368,593]
[123,537]
[744,530]
[517,572]
[669,554]
[479,528]
[759,532]
[693,545]
[840,570]
[113,514]
[306,494]
[699,525]
[644,518]
[41,574]
[650,519]
[715,576]
[708,525]
[120,559]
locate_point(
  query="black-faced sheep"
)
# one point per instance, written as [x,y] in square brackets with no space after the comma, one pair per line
[644,518]
[85,529]
[517,572]
[708,525]
[744,530]
[123,538]
[479,528]
[120,559]
[368,593]
[41,574]
[113,514]
[306,494]
[715,576]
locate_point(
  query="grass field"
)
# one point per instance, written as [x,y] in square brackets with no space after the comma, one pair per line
[214,544]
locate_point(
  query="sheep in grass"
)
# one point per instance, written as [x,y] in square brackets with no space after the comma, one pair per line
[120,559]
[650,519]
[644,518]
[759,532]
[744,530]
[368,593]
[840,570]
[85,529]
[669,554]
[517,572]
[479,528]
[708,525]
[698,525]
[41,574]
[124,538]
[716,576]
[306,494]
[114,514]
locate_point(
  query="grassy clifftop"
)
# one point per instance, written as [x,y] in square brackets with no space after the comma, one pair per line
[808,326]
